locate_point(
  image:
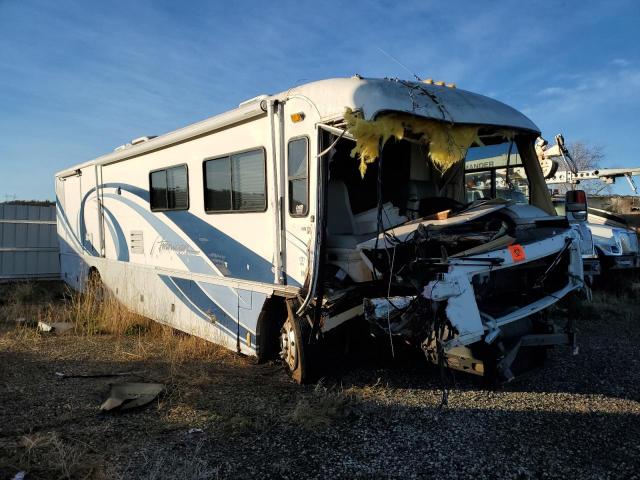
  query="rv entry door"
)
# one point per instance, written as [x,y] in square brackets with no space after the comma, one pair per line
[298,214]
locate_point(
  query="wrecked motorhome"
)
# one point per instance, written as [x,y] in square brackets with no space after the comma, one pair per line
[339,201]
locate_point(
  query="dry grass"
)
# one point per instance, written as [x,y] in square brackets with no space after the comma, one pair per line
[182,362]
[23,301]
[193,466]
[321,407]
[94,313]
[616,296]
[53,457]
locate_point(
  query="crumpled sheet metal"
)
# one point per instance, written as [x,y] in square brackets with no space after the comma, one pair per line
[448,143]
[124,396]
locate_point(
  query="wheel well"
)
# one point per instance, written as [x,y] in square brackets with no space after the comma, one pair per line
[270,321]
[93,280]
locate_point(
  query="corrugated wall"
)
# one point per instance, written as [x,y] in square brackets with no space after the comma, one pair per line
[28,242]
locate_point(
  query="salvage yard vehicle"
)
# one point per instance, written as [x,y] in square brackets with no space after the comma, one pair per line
[615,241]
[346,200]
[488,178]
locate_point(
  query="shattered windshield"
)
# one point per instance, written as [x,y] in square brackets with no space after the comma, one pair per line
[399,167]
[495,171]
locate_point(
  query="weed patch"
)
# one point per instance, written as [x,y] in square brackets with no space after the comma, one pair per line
[53,457]
[321,407]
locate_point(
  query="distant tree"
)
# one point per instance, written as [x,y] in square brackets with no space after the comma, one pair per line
[586,157]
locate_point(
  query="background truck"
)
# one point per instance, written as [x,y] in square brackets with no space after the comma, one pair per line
[615,242]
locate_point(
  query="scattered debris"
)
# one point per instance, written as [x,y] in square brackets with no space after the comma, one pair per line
[24,322]
[44,327]
[130,395]
[62,327]
[20,476]
[195,430]
[56,327]
[97,375]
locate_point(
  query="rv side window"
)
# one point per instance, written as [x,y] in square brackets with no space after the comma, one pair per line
[236,183]
[169,189]
[297,170]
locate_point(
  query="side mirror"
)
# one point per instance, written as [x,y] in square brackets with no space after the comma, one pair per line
[576,205]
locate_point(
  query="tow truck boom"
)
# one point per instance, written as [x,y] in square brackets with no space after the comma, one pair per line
[607,175]
[548,157]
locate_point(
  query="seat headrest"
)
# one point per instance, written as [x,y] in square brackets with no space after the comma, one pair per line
[419,189]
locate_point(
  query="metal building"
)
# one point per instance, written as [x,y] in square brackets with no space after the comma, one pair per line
[28,242]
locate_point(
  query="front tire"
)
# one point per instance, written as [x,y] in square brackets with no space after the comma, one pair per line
[295,348]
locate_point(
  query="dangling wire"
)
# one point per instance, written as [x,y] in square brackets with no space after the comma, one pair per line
[393,258]
[506,178]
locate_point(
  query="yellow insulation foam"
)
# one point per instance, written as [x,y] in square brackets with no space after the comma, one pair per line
[448,143]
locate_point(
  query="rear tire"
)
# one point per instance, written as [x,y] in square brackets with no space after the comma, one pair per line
[95,286]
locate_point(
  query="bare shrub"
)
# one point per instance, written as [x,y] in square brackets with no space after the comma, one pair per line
[19,302]
[22,293]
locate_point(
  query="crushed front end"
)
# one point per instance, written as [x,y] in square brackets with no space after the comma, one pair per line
[483,285]
[444,236]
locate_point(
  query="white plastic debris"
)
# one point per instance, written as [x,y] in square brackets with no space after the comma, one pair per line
[129,395]
[44,327]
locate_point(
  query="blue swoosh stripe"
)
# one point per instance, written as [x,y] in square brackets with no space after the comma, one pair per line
[120,241]
[193,263]
[190,293]
[83,227]
[65,222]
[217,244]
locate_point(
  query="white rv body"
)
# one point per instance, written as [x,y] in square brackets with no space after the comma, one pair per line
[211,274]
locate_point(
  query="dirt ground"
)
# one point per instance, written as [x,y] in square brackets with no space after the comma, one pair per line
[222,416]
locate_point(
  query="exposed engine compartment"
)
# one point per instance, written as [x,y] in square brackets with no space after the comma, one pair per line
[439,273]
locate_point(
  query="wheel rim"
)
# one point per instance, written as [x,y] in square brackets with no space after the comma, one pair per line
[289,346]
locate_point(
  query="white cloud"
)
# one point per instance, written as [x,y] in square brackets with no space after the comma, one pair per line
[552,92]
[588,93]
[620,62]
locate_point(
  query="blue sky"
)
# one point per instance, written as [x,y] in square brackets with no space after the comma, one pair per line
[78,78]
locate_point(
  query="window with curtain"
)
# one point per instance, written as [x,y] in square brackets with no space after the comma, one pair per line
[169,189]
[236,183]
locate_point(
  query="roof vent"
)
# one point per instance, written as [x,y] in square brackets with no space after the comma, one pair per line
[135,141]
[138,140]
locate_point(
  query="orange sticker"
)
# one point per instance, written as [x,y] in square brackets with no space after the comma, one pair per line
[517,252]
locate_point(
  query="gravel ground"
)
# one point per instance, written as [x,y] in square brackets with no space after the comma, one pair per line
[578,417]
